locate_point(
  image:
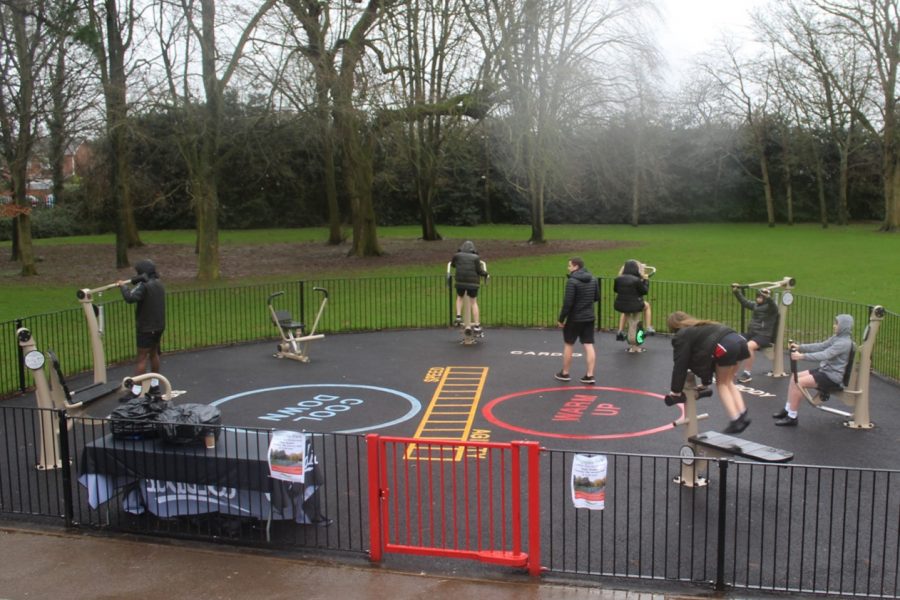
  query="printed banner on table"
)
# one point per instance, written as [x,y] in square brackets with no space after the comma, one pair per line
[287,456]
[589,481]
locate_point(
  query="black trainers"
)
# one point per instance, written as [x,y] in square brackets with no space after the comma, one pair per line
[787,422]
[780,414]
[745,377]
[563,376]
[458,320]
[587,380]
[649,331]
[739,424]
[620,336]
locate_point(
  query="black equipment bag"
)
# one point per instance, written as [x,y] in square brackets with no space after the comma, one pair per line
[189,423]
[137,418]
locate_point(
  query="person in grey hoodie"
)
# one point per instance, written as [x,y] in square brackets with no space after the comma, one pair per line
[576,318]
[833,355]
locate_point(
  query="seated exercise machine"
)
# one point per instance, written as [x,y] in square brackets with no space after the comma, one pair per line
[52,393]
[713,443]
[294,342]
[855,392]
[635,333]
[783,297]
[470,335]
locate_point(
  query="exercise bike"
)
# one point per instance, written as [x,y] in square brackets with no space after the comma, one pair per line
[295,342]
[634,326]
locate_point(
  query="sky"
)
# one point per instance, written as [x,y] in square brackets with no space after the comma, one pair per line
[691,27]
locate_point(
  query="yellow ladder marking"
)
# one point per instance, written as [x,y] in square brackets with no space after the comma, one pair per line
[450,414]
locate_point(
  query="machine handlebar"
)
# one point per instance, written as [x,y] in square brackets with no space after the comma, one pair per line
[320,289]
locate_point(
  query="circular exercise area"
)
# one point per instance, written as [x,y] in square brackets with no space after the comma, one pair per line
[427,384]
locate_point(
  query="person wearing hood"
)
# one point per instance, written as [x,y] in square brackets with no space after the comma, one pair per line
[833,355]
[707,348]
[763,321]
[469,271]
[148,294]
[576,318]
[631,285]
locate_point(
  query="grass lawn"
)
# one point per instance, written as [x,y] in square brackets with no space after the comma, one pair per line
[855,263]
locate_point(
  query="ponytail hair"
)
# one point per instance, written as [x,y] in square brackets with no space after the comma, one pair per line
[680,319]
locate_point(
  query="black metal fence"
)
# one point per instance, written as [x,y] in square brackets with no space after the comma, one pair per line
[787,528]
[222,316]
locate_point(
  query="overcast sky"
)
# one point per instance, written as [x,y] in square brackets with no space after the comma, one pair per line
[690,27]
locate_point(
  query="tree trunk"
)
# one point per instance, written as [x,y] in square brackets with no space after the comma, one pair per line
[23,223]
[358,175]
[789,192]
[820,191]
[767,189]
[206,200]
[843,213]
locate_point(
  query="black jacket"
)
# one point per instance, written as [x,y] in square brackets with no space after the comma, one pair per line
[468,267]
[764,318]
[150,297]
[692,349]
[630,289]
[582,292]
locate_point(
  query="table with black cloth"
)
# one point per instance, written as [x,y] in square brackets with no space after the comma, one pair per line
[173,480]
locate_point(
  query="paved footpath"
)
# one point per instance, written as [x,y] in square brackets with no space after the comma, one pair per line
[47,563]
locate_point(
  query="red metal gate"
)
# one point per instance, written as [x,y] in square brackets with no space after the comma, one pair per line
[454,499]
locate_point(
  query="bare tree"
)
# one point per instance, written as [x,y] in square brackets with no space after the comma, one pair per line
[110,35]
[196,21]
[746,88]
[27,49]
[874,26]
[823,79]
[551,57]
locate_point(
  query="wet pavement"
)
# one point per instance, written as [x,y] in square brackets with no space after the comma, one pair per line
[42,563]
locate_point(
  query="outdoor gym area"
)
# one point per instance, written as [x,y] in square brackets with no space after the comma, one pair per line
[419,441]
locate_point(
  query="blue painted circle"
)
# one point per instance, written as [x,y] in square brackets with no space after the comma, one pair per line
[414,405]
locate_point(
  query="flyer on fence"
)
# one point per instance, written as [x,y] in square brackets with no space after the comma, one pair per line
[589,481]
[287,455]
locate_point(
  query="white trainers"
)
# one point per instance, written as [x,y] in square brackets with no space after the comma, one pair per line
[744,377]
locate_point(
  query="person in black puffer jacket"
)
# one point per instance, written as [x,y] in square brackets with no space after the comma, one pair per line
[763,323]
[630,287]
[707,348]
[148,293]
[469,271]
[576,318]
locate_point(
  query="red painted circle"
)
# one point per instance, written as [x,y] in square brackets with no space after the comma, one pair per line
[489,414]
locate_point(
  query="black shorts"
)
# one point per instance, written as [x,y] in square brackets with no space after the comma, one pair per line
[148,339]
[823,382]
[762,341]
[731,350]
[575,330]
[470,292]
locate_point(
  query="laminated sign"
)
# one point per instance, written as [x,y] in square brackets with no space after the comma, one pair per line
[287,456]
[589,481]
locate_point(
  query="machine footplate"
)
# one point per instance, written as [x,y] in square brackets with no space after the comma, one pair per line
[733,445]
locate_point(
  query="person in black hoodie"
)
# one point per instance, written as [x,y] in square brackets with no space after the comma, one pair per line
[148,293]
[707,348]
[763,321]
[576,318]
[631,285]
[469,272]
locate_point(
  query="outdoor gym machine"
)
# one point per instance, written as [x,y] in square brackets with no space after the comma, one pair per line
[855,392]
[783,298]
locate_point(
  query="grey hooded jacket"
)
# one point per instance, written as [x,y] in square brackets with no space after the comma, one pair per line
[834,353]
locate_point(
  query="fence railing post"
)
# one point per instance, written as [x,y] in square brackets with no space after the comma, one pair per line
[373,453]
[720,533]
[534,508]
[21,365]
[66,466]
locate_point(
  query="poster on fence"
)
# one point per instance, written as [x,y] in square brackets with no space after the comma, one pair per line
[589,481]
[287,456]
